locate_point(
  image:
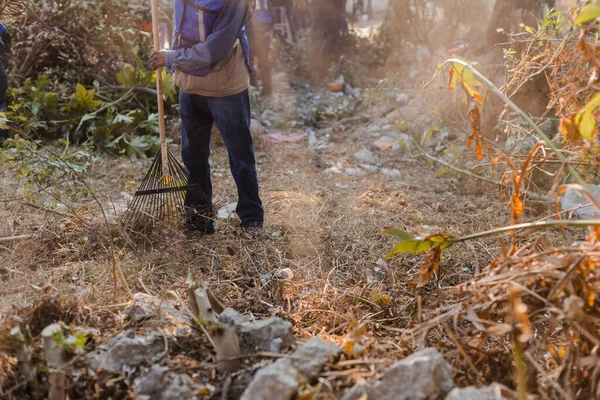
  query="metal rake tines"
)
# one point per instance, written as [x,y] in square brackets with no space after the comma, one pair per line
[161,196]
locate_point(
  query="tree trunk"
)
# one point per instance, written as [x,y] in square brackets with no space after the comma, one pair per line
[508,14]
[328,30]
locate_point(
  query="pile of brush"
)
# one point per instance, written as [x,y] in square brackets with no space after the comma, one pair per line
[534,313]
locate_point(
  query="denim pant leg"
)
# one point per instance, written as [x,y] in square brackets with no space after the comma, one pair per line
[232,116]
[196,131]
[3,101]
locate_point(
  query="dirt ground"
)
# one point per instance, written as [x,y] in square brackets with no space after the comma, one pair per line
[322,220]
[325,210]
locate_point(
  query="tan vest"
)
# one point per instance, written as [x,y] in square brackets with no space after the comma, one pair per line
[230,76]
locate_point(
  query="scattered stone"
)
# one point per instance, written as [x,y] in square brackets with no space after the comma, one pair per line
[332,170]
[424,375]
[127,351]
[126,196]
[372,129]
[161,384]
[234,319]
[256,128]
[493,392]
[285,274]
[281,380]
[145,307]
[269,117]
[402,99]
[575,202]
[351,91]
[354,171]
[278,381]
[365,156]
[227,212]
[405,140]
[316,144]
[390,173]
[368,167]
[273,334]
[320,352]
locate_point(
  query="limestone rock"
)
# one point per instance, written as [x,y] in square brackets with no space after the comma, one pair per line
[577,204]
[145,307]
[161,384]
[273,334]
[281,380]
[493,392]
[319,352]
[127,351]
[424,375]
[365,156]
[278,381]
[233,319]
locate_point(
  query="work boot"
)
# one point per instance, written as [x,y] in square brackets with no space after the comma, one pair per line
[202,223]
[252,225]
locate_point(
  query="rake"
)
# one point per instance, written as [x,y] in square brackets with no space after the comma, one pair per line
[165,192]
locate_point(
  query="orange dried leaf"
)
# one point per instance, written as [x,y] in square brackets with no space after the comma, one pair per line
[591,298]
[517,206]
[569,130]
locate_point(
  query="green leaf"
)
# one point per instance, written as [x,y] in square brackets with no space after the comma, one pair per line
[417,246]
[585,120]
[588,13]
[80,340]
[126,77]
[398,234]
[123,118]
[587,125]
[410,246]
[83,99]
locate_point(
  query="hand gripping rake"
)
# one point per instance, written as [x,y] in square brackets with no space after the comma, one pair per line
[165,191]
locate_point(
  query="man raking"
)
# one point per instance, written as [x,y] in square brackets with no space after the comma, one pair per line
[210,58]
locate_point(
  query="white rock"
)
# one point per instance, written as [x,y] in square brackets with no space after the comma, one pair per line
[365,156]
[332,170]
[576,203]
[493,392]
[227,212]
[424,375]
[391,173]
[314,143]
[368,167]
[354,171]
[402,99]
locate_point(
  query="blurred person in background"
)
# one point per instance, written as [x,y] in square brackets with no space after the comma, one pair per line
[260,33]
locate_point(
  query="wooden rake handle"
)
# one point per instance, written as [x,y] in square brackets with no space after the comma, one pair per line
[159,86]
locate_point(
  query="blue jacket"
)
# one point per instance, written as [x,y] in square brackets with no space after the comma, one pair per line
[205,33]
[5,50]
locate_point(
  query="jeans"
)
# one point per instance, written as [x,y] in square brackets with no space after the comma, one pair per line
[232,116]
[3,101]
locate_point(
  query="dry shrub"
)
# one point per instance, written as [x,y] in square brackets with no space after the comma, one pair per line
[79,40]
[544,304]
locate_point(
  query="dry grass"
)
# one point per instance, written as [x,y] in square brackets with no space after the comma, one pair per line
[325,227]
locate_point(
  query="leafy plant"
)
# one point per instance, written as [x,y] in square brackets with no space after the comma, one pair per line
[44,173]
[83,100]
